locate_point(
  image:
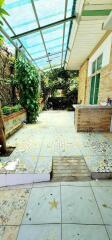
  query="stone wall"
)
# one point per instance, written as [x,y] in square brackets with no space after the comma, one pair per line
[6,91]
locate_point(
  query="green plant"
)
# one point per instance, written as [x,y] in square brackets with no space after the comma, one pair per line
[10,109]
[2,13]
[16,108]
[27,82]
[6,110]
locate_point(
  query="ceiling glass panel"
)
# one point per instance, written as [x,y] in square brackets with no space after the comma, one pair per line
[49,10]
[53,33]
[21,17]
[69,8]
[42,63]
[33,43]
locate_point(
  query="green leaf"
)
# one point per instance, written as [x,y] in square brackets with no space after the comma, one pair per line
[3,12]
[1,23]
[2,2]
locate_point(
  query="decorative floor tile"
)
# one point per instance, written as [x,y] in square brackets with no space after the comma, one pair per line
[8,232]
[79,206]
[12,206]
[83,232]
[40,232]
[103,197]
[43,206]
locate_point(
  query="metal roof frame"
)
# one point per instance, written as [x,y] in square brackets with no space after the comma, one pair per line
[40,29]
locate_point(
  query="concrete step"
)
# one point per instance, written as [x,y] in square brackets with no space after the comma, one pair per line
[23,167]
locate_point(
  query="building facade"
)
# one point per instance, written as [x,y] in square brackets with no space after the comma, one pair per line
[95,75]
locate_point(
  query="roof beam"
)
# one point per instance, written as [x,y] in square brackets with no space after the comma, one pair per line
[64,26]
[17,39]
[50,55]
[44,27]
[42,37]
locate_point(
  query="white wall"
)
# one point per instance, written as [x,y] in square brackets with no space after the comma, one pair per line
[105,48]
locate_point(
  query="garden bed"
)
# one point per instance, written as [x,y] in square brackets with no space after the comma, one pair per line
[14,121]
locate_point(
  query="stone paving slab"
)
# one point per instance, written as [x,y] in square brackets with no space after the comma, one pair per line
[42,232]
[8,232]
[104,200]
[39,211]
[44,165]
[43,206]
[109,230]
[81,232]
[12,206]
[54,135]
[79,206]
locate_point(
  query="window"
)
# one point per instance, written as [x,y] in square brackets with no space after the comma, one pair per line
[95,82]
[94,67]
[97,64]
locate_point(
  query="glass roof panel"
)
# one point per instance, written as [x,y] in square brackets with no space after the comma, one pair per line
[33,43]
[69,7]
[42,63]
[21,17]
[49,11]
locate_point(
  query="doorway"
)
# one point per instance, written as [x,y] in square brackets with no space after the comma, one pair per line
[95,82]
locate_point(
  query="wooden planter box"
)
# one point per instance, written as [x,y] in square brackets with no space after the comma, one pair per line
[13,122]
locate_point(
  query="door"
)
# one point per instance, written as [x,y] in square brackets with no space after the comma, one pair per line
[95,81]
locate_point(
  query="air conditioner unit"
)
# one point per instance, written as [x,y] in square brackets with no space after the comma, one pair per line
[107,25]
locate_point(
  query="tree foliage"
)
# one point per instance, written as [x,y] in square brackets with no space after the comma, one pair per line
[27,82]
[2,13]
[59,79]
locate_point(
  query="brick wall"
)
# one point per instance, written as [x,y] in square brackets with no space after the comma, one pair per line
[83,83]
[93,118]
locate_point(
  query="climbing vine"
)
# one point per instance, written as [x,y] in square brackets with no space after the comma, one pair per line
[27,83]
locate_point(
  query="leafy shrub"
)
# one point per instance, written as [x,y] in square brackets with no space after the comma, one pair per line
[11,109]
[6,110]
[27,82]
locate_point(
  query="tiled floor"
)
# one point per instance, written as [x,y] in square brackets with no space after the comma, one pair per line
[55,135]
[57,211]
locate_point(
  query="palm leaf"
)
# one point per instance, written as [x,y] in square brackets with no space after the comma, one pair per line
[3,12]
[2,2]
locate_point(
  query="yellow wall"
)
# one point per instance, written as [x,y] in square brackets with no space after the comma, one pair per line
[82,83]
[105,88]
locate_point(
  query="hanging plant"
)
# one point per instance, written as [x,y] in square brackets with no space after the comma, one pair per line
[2,13]
[27,82]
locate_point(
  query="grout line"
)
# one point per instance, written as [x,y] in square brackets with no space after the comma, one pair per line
[38,156]
[24,210]
[100,213]
[61,209]
[68,223]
